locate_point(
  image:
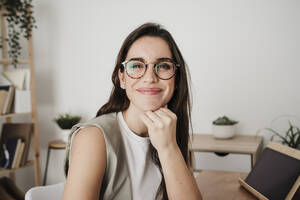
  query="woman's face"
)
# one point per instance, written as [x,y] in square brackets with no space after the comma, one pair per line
[148,92]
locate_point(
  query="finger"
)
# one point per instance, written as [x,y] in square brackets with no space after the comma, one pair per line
[147,121]
[161,114]
[164,117]
[168,112]
[155,118]
[165,110]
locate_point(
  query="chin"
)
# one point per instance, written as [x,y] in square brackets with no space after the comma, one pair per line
[150,107]
[148,104]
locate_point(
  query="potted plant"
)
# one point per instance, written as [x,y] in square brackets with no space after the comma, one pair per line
[291,137]
[224,127]
[20,22]
[65,122]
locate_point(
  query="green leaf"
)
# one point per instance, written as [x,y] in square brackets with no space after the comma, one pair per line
[277,134]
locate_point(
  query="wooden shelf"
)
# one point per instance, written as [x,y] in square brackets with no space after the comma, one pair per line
[9,61]
[14,115]
[6,171]
[5,61]
[240,144]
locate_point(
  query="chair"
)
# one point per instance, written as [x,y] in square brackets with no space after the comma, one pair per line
[49,192]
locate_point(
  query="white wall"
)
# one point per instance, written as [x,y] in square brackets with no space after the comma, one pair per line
[243,57]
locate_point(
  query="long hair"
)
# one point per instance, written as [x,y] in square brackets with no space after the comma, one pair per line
[179,103]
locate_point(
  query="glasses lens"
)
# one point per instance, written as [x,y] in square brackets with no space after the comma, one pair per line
[165,70]
[135,69]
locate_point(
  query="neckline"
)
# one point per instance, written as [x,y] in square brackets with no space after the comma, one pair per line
[130,133]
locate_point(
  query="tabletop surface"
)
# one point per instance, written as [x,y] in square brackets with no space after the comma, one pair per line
[222,185]
[239,144]
[57,144]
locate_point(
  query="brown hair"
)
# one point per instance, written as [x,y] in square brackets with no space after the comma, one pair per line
[179,103]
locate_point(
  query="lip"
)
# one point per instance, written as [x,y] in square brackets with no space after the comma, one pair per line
[149,91]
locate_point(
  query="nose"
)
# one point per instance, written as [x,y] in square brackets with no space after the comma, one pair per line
[149,75]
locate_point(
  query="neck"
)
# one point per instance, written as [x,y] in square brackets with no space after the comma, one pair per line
[134,122]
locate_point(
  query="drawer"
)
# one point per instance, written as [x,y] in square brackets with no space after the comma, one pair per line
[230,162]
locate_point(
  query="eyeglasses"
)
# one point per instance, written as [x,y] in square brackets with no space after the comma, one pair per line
[164,70]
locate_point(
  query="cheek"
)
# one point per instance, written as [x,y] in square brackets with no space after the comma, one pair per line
[170,90]
[130,85]
[172,85]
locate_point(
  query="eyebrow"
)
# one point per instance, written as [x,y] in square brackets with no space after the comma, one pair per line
[159,59]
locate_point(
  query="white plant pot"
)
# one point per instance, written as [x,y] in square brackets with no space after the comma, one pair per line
[223,131]
[65,134]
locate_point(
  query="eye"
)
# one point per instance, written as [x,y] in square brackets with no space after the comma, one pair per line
[164,66]
[135,65]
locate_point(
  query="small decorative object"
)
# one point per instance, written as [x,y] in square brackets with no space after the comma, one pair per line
[20,21]
[224,128]
[291,137]
[66,122]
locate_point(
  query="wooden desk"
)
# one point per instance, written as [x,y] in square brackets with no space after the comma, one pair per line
[220,185]
[240,144]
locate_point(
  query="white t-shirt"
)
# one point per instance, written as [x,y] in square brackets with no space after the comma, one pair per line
[144,175]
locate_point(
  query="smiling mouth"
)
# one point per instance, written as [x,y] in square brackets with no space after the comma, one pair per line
[149,91]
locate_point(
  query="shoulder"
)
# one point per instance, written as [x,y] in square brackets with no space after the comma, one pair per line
[87,143]
[109,117]
[88,134]
[92,133]
[103,122]
[97,134]
[107,123]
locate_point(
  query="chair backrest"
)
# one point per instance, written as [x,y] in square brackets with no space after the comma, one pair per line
[48,192]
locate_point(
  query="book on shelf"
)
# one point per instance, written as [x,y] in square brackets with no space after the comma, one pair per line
[15,156]
[20,154]
[15,131]
[4,87]
[19,100]
[6,98]
[3,156]
[3,97]
[8,103]
[4,81]
[17,77]
[11,146]
[22,101]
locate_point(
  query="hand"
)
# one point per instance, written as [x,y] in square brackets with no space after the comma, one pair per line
[161,126]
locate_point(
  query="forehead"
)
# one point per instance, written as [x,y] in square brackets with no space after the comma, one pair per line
[149,48]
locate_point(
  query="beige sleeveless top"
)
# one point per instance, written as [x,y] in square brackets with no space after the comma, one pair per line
[116,184]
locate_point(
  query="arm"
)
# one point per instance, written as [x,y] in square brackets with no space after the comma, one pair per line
[180,182]
[87,165]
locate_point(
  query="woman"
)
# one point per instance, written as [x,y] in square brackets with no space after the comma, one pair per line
[137,146]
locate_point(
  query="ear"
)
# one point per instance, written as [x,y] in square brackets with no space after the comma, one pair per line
[122,79]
